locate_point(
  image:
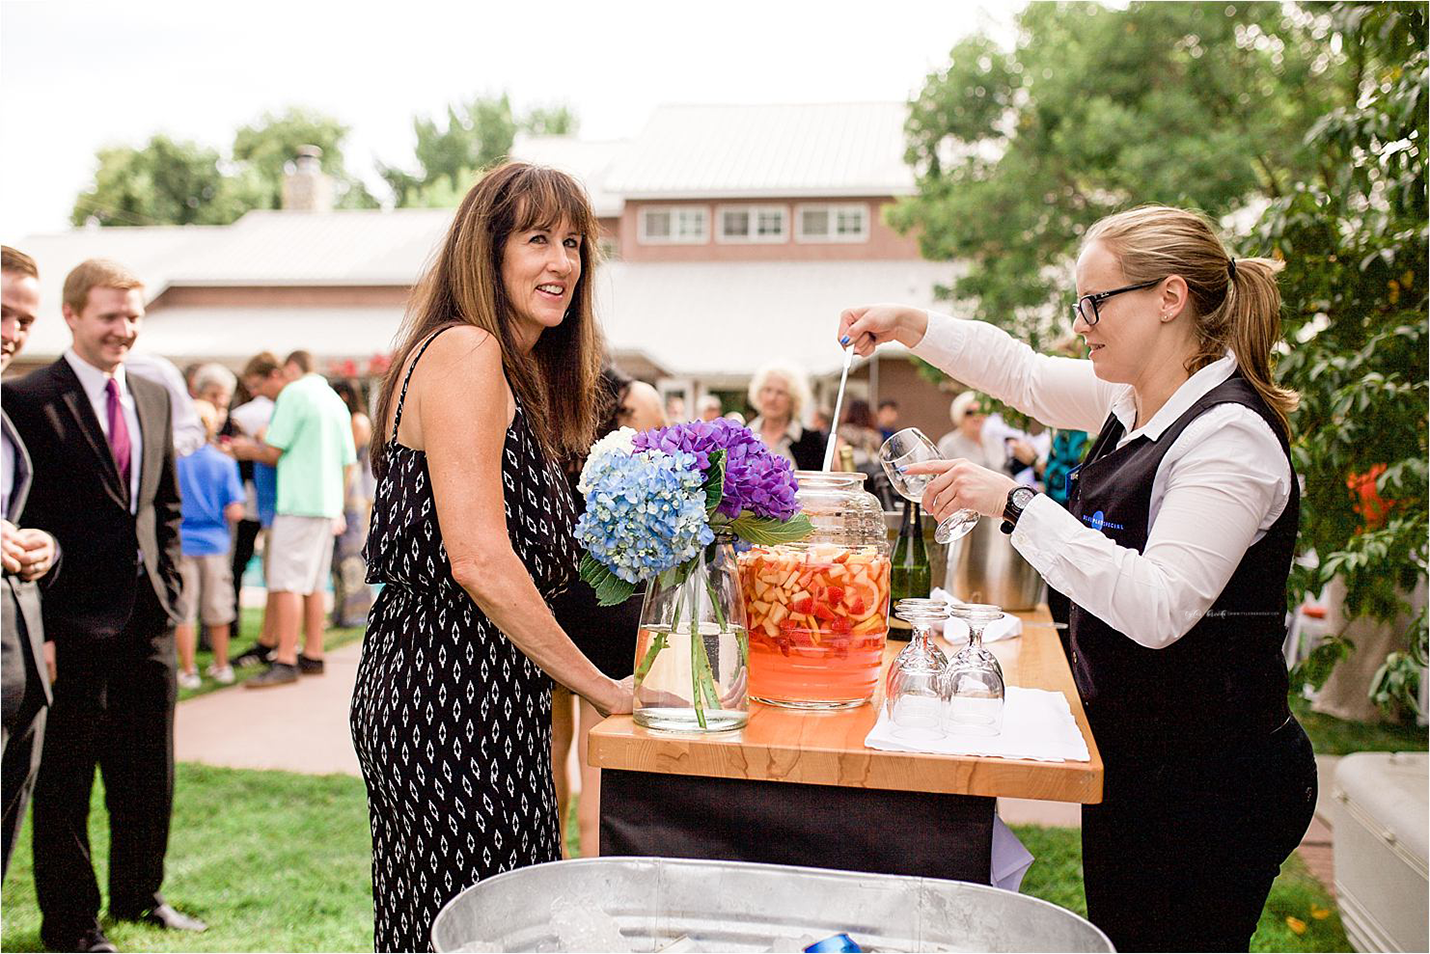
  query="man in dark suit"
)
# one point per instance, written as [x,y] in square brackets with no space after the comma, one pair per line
[102,446]
[30,557]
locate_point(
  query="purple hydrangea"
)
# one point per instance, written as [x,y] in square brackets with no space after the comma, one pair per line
[755,479]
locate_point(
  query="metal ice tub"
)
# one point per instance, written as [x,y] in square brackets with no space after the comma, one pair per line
[737,906]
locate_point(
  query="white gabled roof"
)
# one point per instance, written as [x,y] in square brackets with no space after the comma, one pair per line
[815,149]
[342,247]
[588,160]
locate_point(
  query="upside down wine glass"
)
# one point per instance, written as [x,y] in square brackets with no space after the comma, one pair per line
[913,695]
[911,446]
[973,683]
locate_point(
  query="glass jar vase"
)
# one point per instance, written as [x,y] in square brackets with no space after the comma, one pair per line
[692,651]
[818,610]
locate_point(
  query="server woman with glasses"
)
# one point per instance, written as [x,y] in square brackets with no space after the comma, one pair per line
[1175,553]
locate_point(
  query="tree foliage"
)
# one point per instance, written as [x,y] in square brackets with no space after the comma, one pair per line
[164,182]
[1354,238]
[1018,152]
[268,146]
[474,135]
[170,182]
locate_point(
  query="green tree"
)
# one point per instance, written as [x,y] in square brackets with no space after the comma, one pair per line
[269,144]
[556,120]
[1354,238]
[1018,152]
[164,182]
[451,153]
[475,135]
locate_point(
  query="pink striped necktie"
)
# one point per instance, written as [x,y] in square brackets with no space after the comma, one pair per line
[118,433]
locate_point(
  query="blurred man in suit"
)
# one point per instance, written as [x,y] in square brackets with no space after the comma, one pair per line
[30,558]
[102,446]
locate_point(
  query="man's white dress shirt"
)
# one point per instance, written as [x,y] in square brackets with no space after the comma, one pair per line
[95,384]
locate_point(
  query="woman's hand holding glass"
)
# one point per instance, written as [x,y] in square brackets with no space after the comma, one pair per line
[910,459]
[960,486]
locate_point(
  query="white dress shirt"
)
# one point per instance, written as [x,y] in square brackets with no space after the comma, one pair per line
[95,383]
[1216,492]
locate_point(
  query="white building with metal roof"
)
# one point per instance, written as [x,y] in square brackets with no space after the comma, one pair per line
[736,235]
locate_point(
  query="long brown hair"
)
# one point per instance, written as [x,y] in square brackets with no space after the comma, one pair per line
[1234,306]
[556,382]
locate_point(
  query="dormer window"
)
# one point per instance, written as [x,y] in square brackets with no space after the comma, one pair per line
[832,222]
[752,223]
[675,225]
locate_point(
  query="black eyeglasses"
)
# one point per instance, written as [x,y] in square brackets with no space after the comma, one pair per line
[1086,306]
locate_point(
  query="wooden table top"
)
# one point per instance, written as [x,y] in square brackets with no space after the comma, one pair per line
[827,748]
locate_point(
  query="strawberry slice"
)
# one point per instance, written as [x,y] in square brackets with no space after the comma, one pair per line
[834,594]
[822,611]
[805,605]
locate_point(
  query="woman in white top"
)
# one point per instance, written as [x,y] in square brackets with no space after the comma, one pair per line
[1175,553]
[966,439]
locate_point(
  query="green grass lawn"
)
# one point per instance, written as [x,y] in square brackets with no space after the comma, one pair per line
[280,862]
[1332,736]
[1056,876]
[273,861]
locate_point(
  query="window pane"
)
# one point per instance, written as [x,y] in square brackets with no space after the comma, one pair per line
[772,223]
[690,223]
[815,222]
[736,224]
[850,222]
[657,224]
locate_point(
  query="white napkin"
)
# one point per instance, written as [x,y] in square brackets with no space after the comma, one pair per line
[1011,859]
[956,630]
[1037,724]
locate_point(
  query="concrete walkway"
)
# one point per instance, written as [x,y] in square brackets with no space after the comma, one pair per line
[300,727]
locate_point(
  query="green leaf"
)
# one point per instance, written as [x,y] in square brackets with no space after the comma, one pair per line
[714,482]
[767,531]
[610,589]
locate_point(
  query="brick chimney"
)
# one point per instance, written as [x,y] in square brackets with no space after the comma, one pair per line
[306,188]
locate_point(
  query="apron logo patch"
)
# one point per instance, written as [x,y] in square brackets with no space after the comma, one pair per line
[1097,521]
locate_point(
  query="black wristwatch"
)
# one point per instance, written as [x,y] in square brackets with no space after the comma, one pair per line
[1018,499]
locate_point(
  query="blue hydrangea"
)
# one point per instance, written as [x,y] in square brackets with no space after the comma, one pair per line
[645,512]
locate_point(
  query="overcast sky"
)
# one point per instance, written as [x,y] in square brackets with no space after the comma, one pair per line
[76,76]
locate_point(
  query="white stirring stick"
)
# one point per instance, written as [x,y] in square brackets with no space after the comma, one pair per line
[838,405]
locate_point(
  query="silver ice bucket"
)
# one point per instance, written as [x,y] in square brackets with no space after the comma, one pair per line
[986,569]
[737,906]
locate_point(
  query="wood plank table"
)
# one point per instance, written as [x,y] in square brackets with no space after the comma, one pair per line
[799,787]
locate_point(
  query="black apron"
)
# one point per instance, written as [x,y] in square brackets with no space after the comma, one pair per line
[1210,783]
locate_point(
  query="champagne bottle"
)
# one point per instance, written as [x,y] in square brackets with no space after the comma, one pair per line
[911,570]
[846,459]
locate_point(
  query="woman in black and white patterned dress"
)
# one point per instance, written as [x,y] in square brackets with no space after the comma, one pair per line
[494,381]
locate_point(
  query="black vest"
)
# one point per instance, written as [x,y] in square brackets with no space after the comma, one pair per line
[1224,682]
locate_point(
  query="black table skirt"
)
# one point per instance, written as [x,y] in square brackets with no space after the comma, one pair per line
[823,826]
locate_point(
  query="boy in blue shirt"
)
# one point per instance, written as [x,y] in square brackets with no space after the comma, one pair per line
[212,500]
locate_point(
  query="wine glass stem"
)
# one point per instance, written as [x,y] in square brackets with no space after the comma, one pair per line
[921,634]
[975,636]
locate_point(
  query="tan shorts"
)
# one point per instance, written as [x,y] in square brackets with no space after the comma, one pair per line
[300,554]
[208,589]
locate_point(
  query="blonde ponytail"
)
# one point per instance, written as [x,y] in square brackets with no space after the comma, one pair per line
[1253,306]
[1235,302]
